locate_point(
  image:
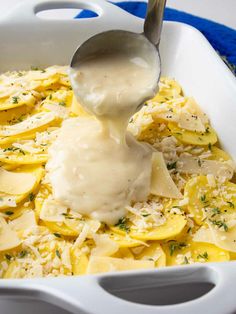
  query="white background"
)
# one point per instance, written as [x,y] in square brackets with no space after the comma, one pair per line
[222,11]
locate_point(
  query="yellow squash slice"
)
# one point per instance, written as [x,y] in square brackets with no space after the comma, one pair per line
[19,185]
[180,253]
[205,200]
[194,138]
[172,227]
[79,262]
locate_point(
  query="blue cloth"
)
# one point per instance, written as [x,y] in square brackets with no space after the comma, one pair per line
[221,37]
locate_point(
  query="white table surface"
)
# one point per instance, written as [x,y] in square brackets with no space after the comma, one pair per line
[222,11]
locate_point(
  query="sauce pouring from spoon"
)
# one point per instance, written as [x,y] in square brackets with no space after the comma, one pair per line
[96,167]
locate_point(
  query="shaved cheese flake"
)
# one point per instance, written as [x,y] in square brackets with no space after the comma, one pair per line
[190,122]
[161,181]
[224,240]
[16,183]
[61,111]
[25,221]
[34,122]
[192,107]
[104,245]
[193,165]
[52,210]
[82,236]
[8,237]
[204,234]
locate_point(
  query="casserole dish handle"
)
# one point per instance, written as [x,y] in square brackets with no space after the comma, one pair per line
[26,12]
[136,293]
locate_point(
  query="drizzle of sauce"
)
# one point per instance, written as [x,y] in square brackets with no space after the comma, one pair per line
[96,167]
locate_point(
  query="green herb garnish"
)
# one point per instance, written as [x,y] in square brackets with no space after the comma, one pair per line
[145,215]
[62,103]
[15,99]
[122,224]
[172,165]
[220,224]
[204,256]
[176,246]
[31,197]
[23,254]
[186,260]
[8,257]
[9,212]
[231,205]
[216,211]
[58,254]
[57,235]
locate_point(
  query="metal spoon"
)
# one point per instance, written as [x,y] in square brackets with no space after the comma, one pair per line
[117,40]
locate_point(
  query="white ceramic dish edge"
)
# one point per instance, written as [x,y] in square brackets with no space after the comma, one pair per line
[187,56]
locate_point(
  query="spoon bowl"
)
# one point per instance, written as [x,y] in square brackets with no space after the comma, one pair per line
[146,44]
[115,42]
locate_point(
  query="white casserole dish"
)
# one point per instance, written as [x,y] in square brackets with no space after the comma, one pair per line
[186,55]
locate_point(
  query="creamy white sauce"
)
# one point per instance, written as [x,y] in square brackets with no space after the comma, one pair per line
[96,167]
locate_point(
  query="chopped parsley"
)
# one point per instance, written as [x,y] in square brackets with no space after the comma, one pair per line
[203,198]
[122,224]
[15,99]
[58,254]
[172,165]
[186,260]
[231,205]
[9,212]
[215,211]
[57,235]
[174,245]
[8,257]
[199,162]
[23,254]
[203,256]
[210,146]
[220,224]
[50,96]
[62,103]
[31,197]
[145,214]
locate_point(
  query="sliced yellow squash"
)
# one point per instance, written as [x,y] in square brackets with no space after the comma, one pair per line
[194,138]
[124,241]
[18,157]
[61,228]
[31,124]
[24,182]
[18,100]
[79,262]
[180,253]
[202,196]
[172,227]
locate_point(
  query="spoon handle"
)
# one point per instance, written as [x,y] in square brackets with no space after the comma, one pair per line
[154,19]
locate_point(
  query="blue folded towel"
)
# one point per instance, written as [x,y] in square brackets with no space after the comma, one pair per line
[221,37]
